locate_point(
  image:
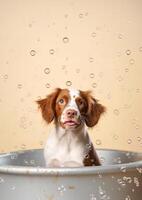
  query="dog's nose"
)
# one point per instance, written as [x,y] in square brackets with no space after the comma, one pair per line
[71,113]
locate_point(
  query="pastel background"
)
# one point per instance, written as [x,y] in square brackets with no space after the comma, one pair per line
[84,44]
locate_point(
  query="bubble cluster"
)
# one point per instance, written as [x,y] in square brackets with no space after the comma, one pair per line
[92,196]
[61,189]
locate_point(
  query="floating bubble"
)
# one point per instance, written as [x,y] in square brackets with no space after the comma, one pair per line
[92,75]
[93,34]
[92,197]
[120,78]
[120,36]
[137,90]
[128,52]
[47,85]
[66,15]
[68,83]
[94,85]
[65,39]
[129,141]
[1,180]
[123,169]
[77,70]
[116,112]
[51,51]
[132,61]
[14,157]
[47,70]
[23,146]
[5,76]
[126,69]
[19,86]
[13,187]
[91,59]
[32,52]
[98,142]
[140,49]
[81,15]
[139,138]
[115,137]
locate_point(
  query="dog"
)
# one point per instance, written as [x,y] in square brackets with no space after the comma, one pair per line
[72,111]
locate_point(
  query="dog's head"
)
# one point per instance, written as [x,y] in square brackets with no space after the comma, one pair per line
[71,108]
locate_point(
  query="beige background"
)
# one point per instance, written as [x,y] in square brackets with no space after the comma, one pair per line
[86,44]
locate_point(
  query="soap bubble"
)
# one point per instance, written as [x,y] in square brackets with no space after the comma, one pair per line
[77,70]
[13,187]
[115,137]
[65,39]
[92,197]
[140,49]
[81,15]
[47,70]
[51,51]
[116,112]
[128,52]
[1,180]
[47,85]
[32,52]
[68,83]
[129,141]
[132,61]
[19,86]
[93,34]
[91,59]
[139,138]
[5,76]
[91,75]
[98,142]
[120,36]
[94,85]
[126,69]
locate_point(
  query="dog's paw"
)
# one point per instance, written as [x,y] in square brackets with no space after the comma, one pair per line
[54,163]
[72,164]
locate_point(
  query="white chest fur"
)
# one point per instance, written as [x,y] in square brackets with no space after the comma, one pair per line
[66,146]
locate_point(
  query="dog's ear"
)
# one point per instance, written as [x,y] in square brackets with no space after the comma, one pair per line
[47,106]
[94,109]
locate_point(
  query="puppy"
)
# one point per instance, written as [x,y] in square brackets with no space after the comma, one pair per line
[72,111]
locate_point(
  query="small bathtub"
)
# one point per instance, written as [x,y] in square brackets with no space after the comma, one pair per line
[24,177]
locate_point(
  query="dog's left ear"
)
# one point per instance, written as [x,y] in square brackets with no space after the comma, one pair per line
[94,110]
[47,106]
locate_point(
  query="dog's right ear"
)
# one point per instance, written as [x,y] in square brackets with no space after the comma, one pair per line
[47,106]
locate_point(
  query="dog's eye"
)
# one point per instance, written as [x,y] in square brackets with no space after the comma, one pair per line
[61,101]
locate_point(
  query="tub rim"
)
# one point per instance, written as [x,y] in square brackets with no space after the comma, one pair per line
[28,170]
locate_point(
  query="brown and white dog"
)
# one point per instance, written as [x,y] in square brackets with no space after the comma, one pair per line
[69,145]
